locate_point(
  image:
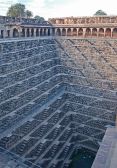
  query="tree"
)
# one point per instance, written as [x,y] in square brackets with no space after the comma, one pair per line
[28,14]
[17,10]
[39,18]
[100,12]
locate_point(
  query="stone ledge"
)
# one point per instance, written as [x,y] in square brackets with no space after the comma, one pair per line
[107,153]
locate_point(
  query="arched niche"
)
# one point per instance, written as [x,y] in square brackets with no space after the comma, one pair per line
[37,32]
[69,32]
[8,33]
[58,32]
[80,32]
[94,32]
[88,32]
[63,32]
[74,33]
[32,32]
[53,31]
[23,32]
[15,32]
[48,32]
[114,33]
[2,34]
[108,32]
[44,31]
[101,32]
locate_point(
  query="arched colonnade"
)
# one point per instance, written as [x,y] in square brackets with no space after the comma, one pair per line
[87,32]
[52,31]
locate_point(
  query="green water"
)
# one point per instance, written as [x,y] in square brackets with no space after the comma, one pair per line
[82,159]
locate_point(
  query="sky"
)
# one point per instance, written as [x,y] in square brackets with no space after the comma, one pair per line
[63,8]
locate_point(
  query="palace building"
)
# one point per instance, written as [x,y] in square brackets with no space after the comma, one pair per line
[96,26]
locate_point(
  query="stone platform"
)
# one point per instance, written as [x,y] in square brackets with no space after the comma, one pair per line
[107,153]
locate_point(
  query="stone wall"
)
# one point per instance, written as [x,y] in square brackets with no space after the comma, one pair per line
[56,95]
[84,20]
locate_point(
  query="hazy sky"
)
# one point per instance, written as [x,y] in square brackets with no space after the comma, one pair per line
[62,8]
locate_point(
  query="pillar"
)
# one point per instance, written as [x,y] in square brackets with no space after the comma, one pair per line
[29,32]
[104,31]
[4,33]
[46,31]
[60,31]
[97,32]
[39,32]
[42,31]
[91,32]
[55,31]
[25,34]
[11,33]
[111,32]
[49,29]
[66,31]
[84,32]
[34,32]
[77,31]
[71,31]
[19,31]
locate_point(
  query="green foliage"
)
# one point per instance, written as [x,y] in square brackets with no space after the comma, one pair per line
[28,14]
[39,18]
[100,12]
[17,10]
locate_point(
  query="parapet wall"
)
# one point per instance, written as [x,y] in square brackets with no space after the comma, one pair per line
[84,20]
[11,20]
